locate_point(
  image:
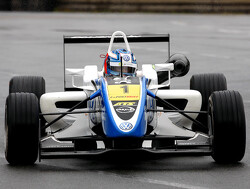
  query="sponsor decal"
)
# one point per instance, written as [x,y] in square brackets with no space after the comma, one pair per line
[125,126]
[126,58]
[117,98]
[125,104]
[125,109]
[124,92]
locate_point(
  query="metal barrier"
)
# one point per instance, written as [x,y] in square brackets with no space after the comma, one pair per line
[196,6]
[170,6]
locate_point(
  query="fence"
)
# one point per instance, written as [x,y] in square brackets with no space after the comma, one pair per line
[199,6]
[195,6]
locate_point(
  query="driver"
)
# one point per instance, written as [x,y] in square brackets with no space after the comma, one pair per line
[120,61]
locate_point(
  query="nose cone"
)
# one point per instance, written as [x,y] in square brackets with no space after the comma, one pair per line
[124,109]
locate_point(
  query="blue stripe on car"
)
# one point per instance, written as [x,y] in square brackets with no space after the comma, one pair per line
[109,125]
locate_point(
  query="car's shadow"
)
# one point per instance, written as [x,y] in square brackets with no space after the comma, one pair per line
[117,162]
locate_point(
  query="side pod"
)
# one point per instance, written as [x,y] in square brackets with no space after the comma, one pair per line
[48,104]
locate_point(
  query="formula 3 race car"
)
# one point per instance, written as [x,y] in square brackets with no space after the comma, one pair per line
[121,108]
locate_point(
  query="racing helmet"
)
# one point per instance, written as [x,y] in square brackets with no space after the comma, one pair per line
[120,60]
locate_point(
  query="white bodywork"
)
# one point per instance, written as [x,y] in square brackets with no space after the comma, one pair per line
[48,105]
[79,124]
[193,104]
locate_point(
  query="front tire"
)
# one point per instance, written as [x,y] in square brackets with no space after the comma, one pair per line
[21,128]
[228,126]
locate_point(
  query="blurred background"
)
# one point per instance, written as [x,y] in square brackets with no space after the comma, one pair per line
[168,6]
[213,34]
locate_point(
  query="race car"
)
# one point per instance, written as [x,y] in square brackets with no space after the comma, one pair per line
[123,108]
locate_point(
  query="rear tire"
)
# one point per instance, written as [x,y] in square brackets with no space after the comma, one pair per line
[21,128]
[29,84]
[206,84]
[228,126]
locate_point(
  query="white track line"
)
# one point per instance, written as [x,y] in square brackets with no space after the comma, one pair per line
[153,181]
[172,184]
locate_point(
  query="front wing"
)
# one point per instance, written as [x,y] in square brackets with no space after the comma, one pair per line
[50,147]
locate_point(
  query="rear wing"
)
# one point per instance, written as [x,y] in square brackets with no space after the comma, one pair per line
[118,39]
[147,38]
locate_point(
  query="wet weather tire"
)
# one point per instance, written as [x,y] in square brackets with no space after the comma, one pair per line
[206,84]
[29,84]
[21,128]
[228,126]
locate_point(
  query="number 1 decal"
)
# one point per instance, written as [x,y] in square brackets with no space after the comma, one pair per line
[123,92]
[125,88]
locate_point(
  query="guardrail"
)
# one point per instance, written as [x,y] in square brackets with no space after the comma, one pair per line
[199,6]
[196,6]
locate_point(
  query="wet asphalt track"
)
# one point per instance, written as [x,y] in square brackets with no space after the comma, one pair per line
[31,44]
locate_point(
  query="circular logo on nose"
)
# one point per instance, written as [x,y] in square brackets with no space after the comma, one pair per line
[126,126]
[124,109]
[126,58]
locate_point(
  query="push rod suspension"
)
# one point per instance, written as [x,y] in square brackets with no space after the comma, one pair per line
[178,111]
[64,114]
[170,106]
[75,112]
